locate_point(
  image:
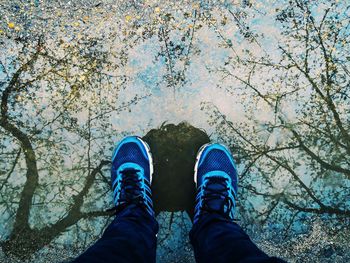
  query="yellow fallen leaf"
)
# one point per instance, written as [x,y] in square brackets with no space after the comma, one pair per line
[76,24]
[11,25]
[195,6]
[157,10]
[128,18]
[1,31]
[66,45]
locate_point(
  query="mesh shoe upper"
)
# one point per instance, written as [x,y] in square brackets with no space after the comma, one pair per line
[132,173]
[216,178]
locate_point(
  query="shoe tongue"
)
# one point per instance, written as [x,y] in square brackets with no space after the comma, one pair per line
[131,187]
[129,171]
[218,193]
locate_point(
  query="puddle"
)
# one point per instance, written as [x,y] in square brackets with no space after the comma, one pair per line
[77,76]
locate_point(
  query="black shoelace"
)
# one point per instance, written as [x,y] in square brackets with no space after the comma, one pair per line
[212,194]
[131,191]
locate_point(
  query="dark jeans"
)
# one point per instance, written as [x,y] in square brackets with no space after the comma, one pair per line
[131,237]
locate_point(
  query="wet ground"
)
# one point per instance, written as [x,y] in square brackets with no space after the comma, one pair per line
[267,78]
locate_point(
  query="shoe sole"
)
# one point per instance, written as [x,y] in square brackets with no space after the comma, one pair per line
[149,155]
[199,154]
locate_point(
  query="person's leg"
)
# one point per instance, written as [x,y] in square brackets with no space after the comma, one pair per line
[214,235]
[131,237]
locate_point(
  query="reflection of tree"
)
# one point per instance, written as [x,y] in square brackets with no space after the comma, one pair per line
[173,241]
[177,54]
[296,155]
[57,99]
[54,97]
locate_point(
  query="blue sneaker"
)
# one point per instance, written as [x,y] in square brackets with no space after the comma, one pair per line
[216,179]
[132,170]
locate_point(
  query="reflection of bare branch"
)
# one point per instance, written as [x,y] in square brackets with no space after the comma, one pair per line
[170,63]
[291,221]
[269,211]
[260,151]
[74,212]
[187,56]
[327,134]
[327,98]
[318,136]
[322,210]
[222,36]
[45,235]
[12,168]
[4,68]
[323,163]
[120,108]
[22,216]
[20,241]
[302,145]
[244,28]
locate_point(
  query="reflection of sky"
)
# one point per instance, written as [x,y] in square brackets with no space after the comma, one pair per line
[146,71]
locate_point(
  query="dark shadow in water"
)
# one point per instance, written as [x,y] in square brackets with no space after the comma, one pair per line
[174,149]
